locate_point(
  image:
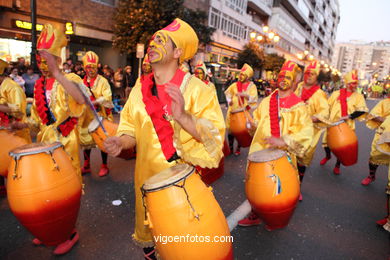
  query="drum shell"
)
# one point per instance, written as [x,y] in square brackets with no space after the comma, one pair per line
[99,137]
[343,142]
[275,209]
[8,141]
[44,199]
[169,214]
[238,127]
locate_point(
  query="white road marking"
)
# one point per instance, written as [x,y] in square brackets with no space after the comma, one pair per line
[238,214]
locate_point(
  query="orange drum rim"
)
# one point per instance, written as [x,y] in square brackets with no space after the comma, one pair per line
[337,123]
[266,155]
[168,177]
[94,124]
[34,148]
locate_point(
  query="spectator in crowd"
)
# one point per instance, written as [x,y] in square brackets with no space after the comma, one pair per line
[15,76]
[128,81]
[29,78]
[66,68]
[118,79]
[21,65]
[78,69]
[70,63]
[100,69]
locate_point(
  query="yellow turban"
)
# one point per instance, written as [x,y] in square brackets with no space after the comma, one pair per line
[314,66]
[184,38]
[247,70]
[90,58]
[202,66]
[3,66]
[52,40]
[351,77]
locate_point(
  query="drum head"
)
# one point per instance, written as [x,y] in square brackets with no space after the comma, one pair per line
[338,123]
[34,148]
[266,155]
[168,177]
[237,110]
[94,125]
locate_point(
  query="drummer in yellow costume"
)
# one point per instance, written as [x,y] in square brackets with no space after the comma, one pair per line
[201,73]
[282,121]
[345,104]
[240,95]
[58,103]
[374,119]
[317,103]
[172,117]
[383,146]
[12,103]
[101,98]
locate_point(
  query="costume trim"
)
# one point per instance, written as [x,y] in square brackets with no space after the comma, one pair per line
[274,114]
[306,94]
[293,146]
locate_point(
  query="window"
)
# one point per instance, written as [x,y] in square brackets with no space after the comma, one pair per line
[105,2]
[229,26]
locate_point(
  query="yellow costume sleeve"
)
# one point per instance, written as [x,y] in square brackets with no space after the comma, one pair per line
[202,104]
[12,94]
[252,92]
[230,92]
[383,143]
[319,108]
[333,98]
[297,128]
[360,105]
[126,125]
[382,109]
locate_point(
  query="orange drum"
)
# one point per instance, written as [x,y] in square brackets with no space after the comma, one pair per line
[44,191]
[8,141]
[211,175]
[99,136]
[179,204]
[272,186]
[239,125]
[343,142]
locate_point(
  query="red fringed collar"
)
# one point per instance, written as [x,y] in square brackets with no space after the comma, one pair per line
[289,101]
[344,94]
[41,103]
[158,108]
[274,114]
[308,93]
[242,86]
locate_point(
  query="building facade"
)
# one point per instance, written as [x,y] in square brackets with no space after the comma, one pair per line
[370,59]
[86,28]
[301,24]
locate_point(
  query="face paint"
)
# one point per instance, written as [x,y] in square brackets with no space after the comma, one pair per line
[91,71]
[284,80]
[41,62]
[310,77]
[352,86]
[157,48]
[199,74]
[242,77]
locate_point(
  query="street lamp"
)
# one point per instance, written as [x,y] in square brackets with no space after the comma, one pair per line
[305,56]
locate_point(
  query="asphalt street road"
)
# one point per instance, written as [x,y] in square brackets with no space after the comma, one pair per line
[335,220]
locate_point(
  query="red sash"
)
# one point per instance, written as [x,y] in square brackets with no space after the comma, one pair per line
[307,93]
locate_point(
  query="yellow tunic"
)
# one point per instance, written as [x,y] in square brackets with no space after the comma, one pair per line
[317,106]
[355,102]
[382,109]
[383,145]
[62,106]
[102,93]
[295,126]
[202,103]
[12,94]
[231,95]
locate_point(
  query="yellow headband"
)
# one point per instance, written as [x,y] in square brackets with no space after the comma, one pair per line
[184,38]
[247,70]
[52,40]
[90,58]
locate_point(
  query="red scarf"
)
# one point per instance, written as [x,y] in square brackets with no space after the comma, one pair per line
[92,97]
[344,94]
[154,106]
[241,87]
[307,93]
[274,114]
[41,104]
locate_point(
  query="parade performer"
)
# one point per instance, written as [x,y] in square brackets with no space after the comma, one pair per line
[345,104]
[317,103]
[282,121]
[383,146]
[241,94]
[58,103]
[374,119]
[171,115]
[101,98]
[201,73]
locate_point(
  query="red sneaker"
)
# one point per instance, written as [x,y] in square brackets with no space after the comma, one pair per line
[237,152]
[103,170]
[86,168]
[324,160]
[66,246]
[37,242]
[382,222]
[366,181]
[336,170]
[251,220]
[300,197]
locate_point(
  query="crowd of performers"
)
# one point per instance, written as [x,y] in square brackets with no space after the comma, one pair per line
[174,118]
